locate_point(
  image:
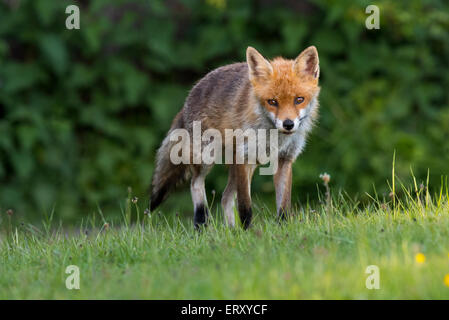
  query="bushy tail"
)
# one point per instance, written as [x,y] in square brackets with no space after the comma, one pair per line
[167,176]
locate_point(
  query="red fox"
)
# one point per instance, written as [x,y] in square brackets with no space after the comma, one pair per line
[279,94]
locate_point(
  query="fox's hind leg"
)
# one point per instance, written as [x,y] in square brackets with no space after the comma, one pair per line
[198,192]
[228,199]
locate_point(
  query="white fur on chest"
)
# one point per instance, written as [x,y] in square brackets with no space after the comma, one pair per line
[290,146]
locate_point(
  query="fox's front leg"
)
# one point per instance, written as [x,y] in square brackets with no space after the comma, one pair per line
[243,175]
[283,186]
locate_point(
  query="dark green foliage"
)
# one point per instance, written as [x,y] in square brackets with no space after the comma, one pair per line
[82,112]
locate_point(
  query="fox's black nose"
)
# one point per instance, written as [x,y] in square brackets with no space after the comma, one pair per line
[288,124]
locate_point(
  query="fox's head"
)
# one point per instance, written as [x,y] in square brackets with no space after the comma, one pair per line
[285,88]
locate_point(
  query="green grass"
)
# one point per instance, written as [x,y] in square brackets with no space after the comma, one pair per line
[321,253]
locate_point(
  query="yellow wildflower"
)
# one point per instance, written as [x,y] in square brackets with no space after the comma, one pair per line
[420,258]
[446,280]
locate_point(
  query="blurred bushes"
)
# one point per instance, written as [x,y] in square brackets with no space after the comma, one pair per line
[82,112]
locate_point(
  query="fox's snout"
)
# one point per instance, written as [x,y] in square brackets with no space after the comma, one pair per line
[288,124]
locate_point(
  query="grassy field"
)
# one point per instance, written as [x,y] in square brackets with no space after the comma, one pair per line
[322,252]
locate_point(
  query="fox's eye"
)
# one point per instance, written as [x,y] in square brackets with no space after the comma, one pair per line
[272,102]
[299,100]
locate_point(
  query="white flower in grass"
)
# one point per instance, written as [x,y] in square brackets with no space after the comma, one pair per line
[325,177]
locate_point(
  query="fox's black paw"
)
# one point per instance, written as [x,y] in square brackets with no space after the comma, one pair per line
[200,217]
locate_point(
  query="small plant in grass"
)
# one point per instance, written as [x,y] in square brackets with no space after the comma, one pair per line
[326,179]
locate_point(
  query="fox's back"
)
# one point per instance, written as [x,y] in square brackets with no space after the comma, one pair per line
[221,99]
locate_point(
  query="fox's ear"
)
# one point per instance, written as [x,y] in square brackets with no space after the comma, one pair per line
[259,67]
[307,63]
